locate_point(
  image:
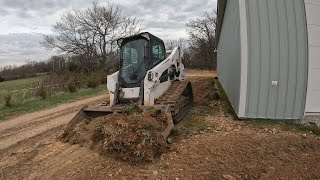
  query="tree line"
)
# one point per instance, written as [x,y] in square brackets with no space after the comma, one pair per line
[87,39]
[59,64]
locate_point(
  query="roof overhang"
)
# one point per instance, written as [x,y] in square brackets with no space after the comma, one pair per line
[221,10]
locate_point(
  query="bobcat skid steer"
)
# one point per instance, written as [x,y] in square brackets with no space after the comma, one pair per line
[146,77]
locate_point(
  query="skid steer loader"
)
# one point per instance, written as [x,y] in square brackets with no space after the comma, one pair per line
[146,77]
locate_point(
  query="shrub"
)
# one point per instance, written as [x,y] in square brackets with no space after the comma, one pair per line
[33,75]
[8,100]
[27,94]
[41,92]
[79,84]
[72,86]
[93,82]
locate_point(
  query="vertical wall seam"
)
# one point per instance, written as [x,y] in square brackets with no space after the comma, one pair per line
[249,59]
[286,101]
[306,55]
[297,59]
[269,58]
[259,25]
[235,19]
[279,55]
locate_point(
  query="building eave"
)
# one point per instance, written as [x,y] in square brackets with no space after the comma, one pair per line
[220,11]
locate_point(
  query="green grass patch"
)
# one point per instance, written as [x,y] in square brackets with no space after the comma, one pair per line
[310,128]
[20,84]
[283,125]
[35,104]
[131,108]
[225,103]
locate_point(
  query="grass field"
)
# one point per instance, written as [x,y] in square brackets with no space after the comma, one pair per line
[20,84]
[18,89]
[35,104]
[21,104]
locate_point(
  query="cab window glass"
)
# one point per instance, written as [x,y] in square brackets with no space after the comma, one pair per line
[133,68]
[157,51]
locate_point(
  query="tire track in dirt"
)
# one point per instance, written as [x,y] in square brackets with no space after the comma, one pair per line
[15,138]
[56,157]
[29,125]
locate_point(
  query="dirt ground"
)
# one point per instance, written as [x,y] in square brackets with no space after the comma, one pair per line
[208,144]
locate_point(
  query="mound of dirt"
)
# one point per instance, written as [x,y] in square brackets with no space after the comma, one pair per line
[134,138]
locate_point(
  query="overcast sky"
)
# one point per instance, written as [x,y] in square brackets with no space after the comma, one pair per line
[24,21]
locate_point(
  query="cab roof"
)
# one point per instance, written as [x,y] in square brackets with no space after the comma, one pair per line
[145,35]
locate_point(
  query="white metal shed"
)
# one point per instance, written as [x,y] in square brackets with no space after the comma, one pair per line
[269,57]
[313,89]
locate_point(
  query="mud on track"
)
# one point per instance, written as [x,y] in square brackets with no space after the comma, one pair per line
[30,150]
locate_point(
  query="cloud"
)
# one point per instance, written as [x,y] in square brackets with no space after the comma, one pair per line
[18,48]
[23,22]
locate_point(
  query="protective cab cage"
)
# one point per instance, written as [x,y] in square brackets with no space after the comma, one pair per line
[148,57]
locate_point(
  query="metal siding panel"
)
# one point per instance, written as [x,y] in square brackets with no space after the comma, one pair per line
[254,64]
[274,55]
[314,2]
[313,90]
[277,52]
[314,31]
[284,56]
[264,59]
[302,64]
[229,54]
[293,61]
[244,57]
[313,13]
[313,102]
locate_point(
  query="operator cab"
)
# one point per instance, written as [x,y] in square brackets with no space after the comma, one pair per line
[138,54]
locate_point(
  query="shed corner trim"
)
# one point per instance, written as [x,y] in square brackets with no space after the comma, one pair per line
[244,58]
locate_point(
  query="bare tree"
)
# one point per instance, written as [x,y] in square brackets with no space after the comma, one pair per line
[181,42]
[91,33]
[202,37]
[185,49]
